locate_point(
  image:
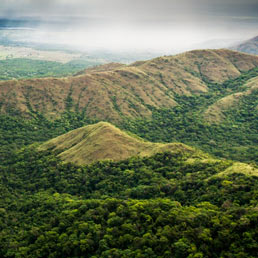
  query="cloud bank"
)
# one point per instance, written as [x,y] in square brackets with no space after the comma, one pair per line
[149,24]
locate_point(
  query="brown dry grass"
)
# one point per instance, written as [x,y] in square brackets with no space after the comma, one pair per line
[104,141]
[132,87]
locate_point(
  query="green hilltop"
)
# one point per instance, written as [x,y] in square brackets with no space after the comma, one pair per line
[103,141]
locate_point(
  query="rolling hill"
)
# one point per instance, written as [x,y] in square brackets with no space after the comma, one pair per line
[202,98]
[103,141]
[115,92]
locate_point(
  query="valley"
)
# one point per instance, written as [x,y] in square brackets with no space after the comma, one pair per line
[30,53]
[153,159]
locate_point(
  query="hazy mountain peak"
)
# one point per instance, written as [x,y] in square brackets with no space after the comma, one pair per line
[250,46]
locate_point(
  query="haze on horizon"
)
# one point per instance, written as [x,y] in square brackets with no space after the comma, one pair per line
[157,25]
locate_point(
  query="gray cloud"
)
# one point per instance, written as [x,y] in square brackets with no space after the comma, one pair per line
[128,9]
[149,23]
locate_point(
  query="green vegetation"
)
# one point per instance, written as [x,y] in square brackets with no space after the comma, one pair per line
[103,141]
[20,68]
[160,206]
[150,203]
[17,132]
[234,137]
[219,118]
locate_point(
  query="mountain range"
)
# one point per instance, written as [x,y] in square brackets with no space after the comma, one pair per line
[113,91]
[202,98]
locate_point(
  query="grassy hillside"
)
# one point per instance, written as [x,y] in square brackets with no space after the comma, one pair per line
[203,98]
[130,90]
[101,68]
[103,141]
[224,124]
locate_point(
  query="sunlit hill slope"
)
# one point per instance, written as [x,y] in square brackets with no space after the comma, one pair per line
[114,91]
[103,141]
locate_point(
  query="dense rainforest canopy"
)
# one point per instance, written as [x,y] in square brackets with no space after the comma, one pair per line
[161,206]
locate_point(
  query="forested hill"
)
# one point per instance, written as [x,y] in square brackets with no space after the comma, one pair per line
[166,205]
[103,141]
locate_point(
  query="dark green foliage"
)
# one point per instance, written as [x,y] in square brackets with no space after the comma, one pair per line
[161,206]
[20,68]
[117,228]
[233,138]
[163,175]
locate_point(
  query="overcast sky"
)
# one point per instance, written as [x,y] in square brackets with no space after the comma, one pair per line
[142,24]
